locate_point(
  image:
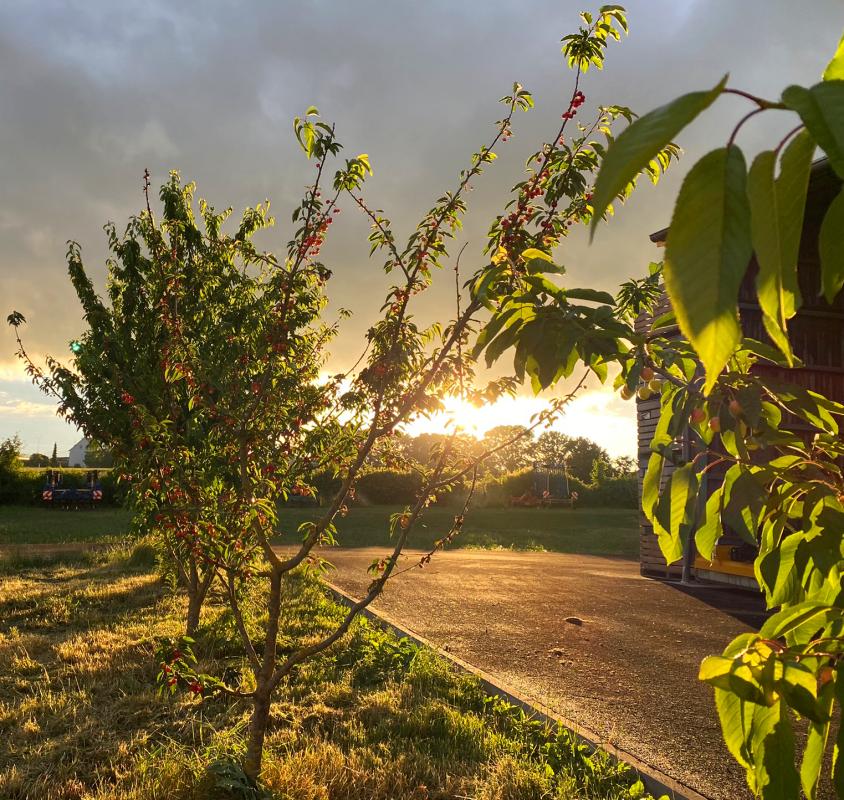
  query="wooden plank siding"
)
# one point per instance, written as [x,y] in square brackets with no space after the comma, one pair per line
[817,338]
[651,561]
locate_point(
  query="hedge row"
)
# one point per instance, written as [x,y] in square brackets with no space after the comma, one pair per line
[610,493]
[23,486]
[379,487]
[389,487]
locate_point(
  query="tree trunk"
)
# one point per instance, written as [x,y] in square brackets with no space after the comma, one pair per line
[262,699]
[196,585]
[195,598]
[257,732]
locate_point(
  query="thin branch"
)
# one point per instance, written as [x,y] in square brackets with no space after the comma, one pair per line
[457,317]
[740,124]
[241,626]
[456,527]
[375,588]
[760,101]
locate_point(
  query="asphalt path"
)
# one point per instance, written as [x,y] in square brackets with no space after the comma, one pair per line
[586,636]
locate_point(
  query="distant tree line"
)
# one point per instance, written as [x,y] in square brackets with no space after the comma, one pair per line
[583,458]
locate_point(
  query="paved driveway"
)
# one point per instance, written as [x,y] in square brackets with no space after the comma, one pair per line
[627,673]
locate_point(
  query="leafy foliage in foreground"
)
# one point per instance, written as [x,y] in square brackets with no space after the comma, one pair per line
[780,444]
[383,719]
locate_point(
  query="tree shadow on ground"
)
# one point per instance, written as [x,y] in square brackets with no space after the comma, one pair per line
[745,605]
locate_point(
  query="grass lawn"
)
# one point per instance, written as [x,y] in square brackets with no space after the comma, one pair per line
[376,719]
[591,531]
[35,525]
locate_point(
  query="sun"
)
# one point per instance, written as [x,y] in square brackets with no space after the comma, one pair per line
[459,414]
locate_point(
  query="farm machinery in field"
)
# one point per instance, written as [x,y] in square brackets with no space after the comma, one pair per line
[54,494]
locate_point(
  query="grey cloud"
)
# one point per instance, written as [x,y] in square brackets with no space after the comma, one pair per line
[91,93]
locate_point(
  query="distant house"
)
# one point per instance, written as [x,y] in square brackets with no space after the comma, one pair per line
[76,457]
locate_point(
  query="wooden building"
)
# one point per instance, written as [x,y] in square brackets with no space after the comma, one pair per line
[817,338]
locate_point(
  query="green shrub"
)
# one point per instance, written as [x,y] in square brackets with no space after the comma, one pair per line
[610,493]
[497,491]
[620,492]
[327,485]
[389,487]
[143,554]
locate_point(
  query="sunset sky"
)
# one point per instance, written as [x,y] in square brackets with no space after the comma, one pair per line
[91,93]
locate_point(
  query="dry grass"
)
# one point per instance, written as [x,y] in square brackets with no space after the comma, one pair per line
[80,718]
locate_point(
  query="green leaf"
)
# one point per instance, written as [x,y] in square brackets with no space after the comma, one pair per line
[674,513]
[532,253]
[707,255]
[480,289]
[822,110]
[743,500]
[715,667]
[777,207]
[793,617]
[538,266]
[750,398]
[684,485]
[492,329]
[777,574]
[767,352]
[799,686]
[835,69]
[590,295]
[710,532]
[831,247]
[816,741]
[640,142]
[730,675]
[773,751]
[664,320]
[650,484]
[501,343]
[540,283]
[731,713]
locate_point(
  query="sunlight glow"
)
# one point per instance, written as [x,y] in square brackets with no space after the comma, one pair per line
[599,415]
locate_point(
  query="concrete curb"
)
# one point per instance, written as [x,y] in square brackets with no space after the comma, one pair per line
[656,782]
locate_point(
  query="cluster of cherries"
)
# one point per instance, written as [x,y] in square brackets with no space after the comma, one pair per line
[576,102]
[311,244]
[523,212]
[194,686]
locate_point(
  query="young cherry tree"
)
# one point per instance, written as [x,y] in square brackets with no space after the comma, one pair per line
[408,370]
